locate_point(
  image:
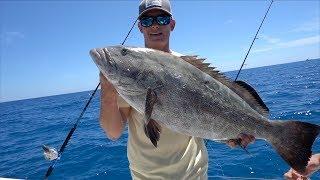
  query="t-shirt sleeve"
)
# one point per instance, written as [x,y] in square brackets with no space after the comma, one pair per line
[176,53]
[122,103]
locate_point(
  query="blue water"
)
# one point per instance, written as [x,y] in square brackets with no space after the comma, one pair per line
[291,91]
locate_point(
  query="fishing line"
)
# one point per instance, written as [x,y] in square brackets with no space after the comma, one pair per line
[216,162]
[255,37]
[51,167]
[129,32]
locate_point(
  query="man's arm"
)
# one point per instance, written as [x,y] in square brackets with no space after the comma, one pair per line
[112,118]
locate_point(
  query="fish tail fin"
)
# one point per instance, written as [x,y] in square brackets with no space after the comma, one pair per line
[293,141]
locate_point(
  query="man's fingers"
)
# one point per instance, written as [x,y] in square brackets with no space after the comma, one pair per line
[102,77]
[106,85]
[232,143]
[288,175]
[246,139]
[103,80]
[242,140]
[293,175]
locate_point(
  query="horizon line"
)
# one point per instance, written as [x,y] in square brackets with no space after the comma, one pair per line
[229,71]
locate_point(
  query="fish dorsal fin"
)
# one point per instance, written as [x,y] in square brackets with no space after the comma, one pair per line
[241,88]
[264,109]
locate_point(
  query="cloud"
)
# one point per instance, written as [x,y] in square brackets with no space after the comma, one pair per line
[301,42]
[312,25]
[262,50]
[308,26]
[9,37]
[289,44]
[269,39]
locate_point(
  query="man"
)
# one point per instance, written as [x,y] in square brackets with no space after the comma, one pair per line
[177,156]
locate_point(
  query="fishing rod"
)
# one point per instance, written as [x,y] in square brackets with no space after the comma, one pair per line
[255,37]
[59,153]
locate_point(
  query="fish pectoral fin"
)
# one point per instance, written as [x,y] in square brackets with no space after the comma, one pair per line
[151,99]
[151,128]
[152,131]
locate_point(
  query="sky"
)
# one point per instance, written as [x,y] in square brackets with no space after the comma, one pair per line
[44,45]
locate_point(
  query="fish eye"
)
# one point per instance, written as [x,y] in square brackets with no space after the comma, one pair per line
[124,51]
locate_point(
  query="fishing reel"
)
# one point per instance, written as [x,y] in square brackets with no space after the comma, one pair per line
[50,153]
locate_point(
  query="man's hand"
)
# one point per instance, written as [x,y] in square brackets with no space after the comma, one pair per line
[106,85]
[313,166]
[243,139]
[112,117]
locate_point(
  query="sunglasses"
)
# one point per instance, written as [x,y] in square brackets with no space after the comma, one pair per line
[147,21]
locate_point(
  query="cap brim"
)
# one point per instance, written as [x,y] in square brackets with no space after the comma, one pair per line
[159,8]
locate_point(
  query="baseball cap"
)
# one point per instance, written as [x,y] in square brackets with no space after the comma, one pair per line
[147,5]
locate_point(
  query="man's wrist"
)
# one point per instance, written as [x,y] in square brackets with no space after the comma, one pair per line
[110,98]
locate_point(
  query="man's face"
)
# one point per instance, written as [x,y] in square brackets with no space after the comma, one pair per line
[156,36]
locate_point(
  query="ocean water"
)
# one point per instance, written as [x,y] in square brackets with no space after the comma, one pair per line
[291,91]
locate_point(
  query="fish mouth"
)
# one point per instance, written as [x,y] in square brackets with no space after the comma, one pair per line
[94,54]
[103,58]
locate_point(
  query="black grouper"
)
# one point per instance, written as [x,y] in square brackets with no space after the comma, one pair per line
[189,97]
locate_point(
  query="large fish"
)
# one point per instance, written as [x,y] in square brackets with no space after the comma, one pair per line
[189,97]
